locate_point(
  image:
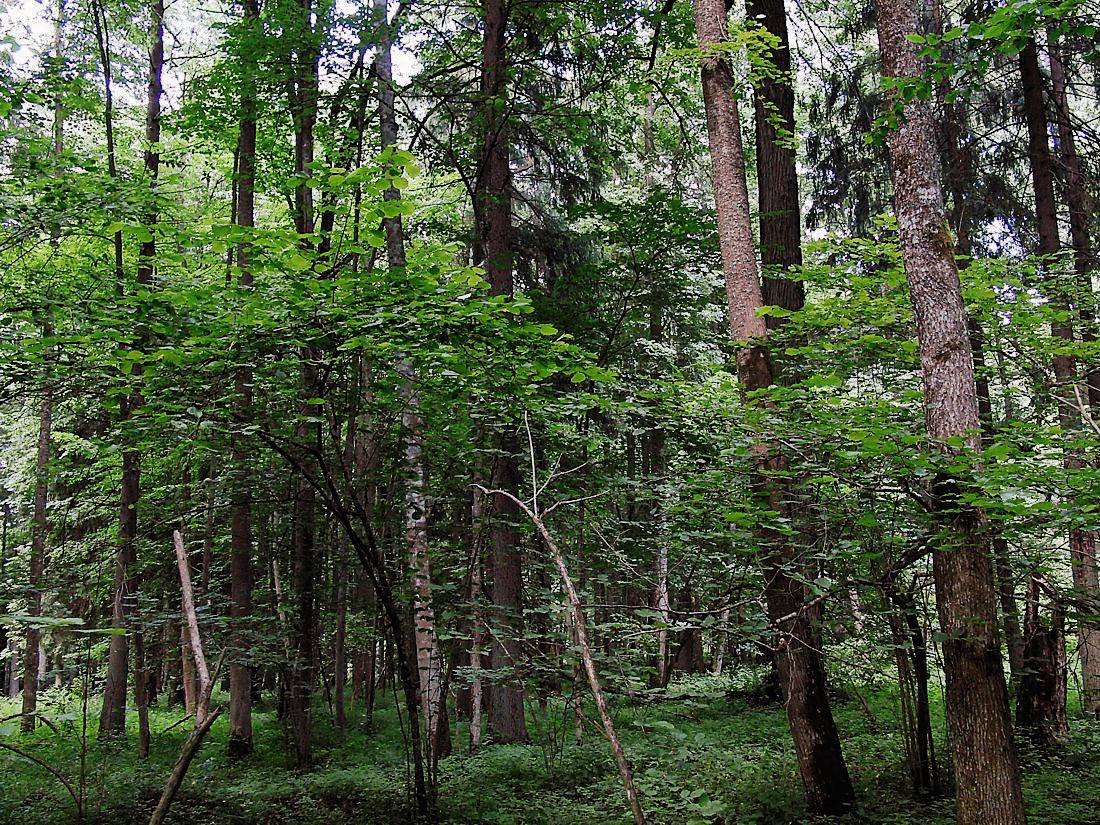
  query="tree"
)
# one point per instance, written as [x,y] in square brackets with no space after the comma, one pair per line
[240,674]
[801,671]
[1082,542]
[493,208]
[987,775]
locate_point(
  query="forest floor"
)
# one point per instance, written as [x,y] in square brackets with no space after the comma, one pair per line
[709,753]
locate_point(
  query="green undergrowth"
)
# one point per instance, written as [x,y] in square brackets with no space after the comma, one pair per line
[711,752]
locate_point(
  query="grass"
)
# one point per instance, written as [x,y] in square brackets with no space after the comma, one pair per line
[713,753]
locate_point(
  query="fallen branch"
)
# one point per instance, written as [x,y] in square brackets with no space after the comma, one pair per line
[60,777]
[179,771]
[204,720]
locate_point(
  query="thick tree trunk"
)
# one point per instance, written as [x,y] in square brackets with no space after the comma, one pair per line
[1082,542]
[240,560]
[987,776]
[801,670]
[959,164]
[493,208]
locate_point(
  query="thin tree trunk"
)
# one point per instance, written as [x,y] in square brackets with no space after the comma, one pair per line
[477,523]
[1082,542]
[339,647]
[801,670]
[1085,572]
[1041,704]
[40,524]
[37,566]
[580,627]
[141,693]
[987,776]
[429,658]
[303,674]
[191,628]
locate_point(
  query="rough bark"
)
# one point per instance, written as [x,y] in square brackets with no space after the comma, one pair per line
[801,670]
[1082,542]
[960,180]
[493,211]
[776,172]
[987,776]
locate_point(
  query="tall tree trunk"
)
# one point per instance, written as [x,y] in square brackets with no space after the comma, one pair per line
[987,776]
[429,658]
[1080,209]
[1082,542]
[493,208]
[959,165]
[802,672]
[303,674]
[112,718]
[339,646]
[1085,578]
[39,533]
[40,524]
[240,559]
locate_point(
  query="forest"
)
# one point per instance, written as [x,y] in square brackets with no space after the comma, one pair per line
[549,412]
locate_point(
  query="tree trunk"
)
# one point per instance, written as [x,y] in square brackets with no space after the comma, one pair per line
[141,693]
[187,672]
[1041,703]
[240,559]
[493,211]
[960,184]
[37,566]
[1085,571]
[987,776]
[339,647]
[776,172]
[1080,214]
[1082,542]
[802,673]
[303,676]
[429,658]
[40,524]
